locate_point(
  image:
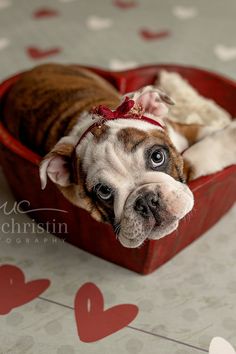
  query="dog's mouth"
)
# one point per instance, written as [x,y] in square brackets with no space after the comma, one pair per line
[164,229]
[155,230]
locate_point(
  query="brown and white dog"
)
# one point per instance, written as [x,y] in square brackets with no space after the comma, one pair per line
[124,166]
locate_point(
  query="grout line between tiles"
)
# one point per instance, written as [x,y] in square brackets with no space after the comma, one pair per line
[169,339]
[134,328]
[55,302]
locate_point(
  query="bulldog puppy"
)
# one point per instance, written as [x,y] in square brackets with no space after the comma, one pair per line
[122,167]
[125,166]
[118,158]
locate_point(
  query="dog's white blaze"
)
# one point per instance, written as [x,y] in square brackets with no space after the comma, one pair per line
[135,123]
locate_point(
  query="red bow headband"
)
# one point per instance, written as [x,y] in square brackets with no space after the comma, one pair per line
[124,111]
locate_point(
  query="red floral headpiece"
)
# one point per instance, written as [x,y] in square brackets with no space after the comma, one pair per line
[122,111]
[125,110]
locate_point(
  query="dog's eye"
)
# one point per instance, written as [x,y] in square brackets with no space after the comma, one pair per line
[104,192]
[157,158]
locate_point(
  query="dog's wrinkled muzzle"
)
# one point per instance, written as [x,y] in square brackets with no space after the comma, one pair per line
[153,211]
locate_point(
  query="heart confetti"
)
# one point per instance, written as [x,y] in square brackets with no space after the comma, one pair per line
[225,53]
[37,53]
[219,345]
[93,322]
[14,291]
[153,35]
[4,42]
[45,13]
[116,64]
[98,23]
[4,4]
[125,5]
[185,13]
[66,1]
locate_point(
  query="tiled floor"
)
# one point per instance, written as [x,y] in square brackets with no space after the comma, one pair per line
[181,306]
[190,299]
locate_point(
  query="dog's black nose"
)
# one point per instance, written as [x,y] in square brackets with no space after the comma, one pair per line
[147,204]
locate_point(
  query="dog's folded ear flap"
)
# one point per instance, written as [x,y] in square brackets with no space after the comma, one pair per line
[153,100]
[57,164]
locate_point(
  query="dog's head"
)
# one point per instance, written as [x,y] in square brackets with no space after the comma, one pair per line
[126,172]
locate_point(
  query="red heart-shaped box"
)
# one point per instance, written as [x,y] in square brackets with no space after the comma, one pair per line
[214,194]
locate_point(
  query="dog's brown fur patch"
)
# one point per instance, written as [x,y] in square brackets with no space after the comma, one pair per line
[62,149]
[130,138]
[189,131]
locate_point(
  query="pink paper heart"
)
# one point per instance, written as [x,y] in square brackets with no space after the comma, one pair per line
[14,291]
[93,322]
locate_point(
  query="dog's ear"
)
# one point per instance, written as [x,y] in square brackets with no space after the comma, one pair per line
[57,164]
[153,100]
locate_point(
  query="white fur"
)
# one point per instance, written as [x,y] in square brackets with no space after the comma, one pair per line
[214,152]
[191,107]
[179,141]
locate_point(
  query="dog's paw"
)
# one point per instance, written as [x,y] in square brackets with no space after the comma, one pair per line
[152,100]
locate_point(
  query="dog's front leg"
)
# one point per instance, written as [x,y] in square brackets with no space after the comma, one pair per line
[211,154]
